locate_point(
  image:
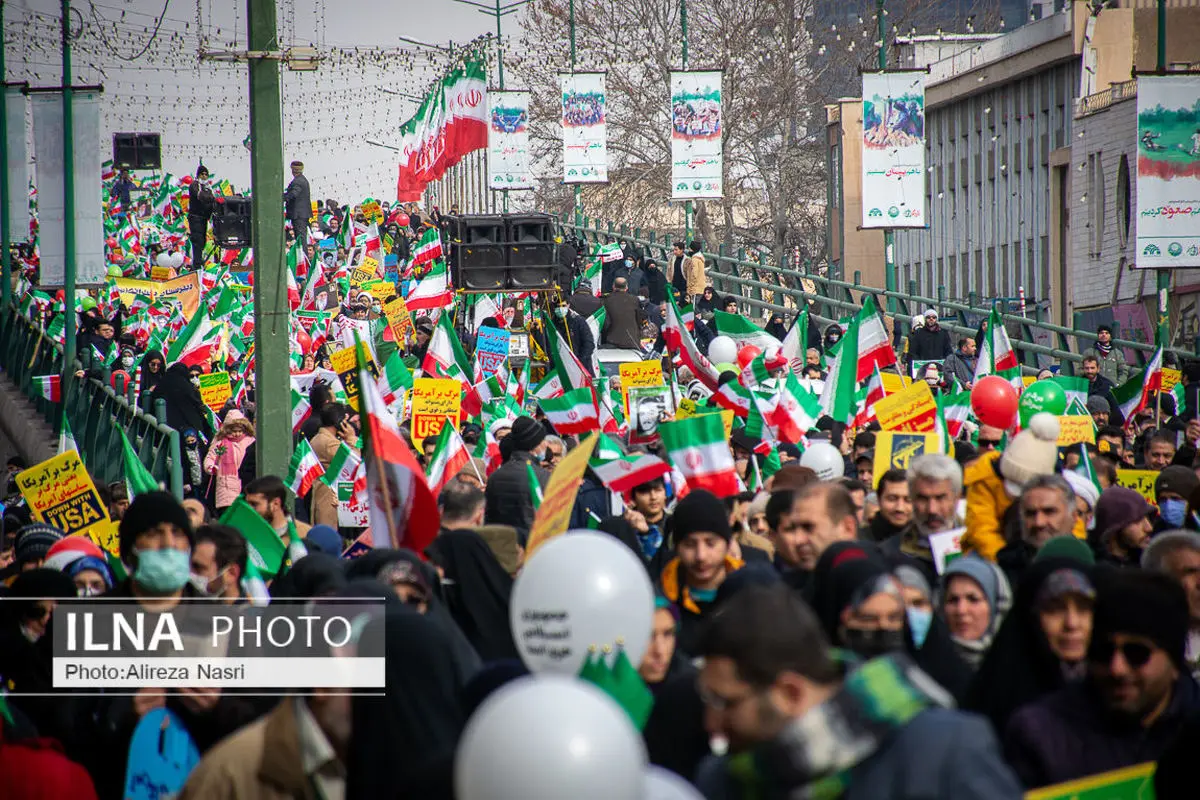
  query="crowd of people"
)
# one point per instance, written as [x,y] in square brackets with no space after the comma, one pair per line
[808,640]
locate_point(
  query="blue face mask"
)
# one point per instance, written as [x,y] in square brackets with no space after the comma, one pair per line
[919,621]
[162,571]
[1172,512]
[629,262]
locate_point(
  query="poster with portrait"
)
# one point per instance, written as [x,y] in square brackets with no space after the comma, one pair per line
[648,405]
[893,155]
[1168,171]
[585,149]
[508,141]
[697,125]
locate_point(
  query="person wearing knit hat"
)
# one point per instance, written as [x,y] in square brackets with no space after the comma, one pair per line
[91,575]
[66,552]
[701,533]
[1172,488]
[996,479]
[509,495]
[33,543]
[1066,546]
[155,539]
[1135,697]
[1098,407]
[1122,526]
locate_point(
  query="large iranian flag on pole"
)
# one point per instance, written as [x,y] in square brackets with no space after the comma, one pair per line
[573,413]
[1131,395]
[697,448]
[444,358]
[431,292]
[996,354]
[465,92]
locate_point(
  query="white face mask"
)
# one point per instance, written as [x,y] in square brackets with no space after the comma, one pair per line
[127,362]
[196,381]
[560,311]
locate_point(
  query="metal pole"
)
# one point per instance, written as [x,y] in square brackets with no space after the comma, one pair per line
[889,235]
[68,121]
[273,422]
[688,206]
[1163,332]
[5,221]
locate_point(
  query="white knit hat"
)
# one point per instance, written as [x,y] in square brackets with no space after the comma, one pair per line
[1082,487]
[1032,452]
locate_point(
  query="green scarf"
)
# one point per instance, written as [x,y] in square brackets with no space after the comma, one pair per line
[812,757]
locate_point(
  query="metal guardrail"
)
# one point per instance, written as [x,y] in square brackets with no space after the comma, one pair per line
[94,410]
[834,299]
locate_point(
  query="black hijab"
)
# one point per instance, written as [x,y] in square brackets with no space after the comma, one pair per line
[1020,667]
[776,328]
[151,379]
[403,744]
[479,594]
[185,409]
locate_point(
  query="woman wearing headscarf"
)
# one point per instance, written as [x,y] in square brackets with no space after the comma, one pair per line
[224,458]
[974,601]
[1040,645]
[403,744]
[776,327]
[185,409]
[477,591]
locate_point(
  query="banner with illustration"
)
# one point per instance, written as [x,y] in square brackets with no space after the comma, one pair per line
[893,157]
[585,149]
[696,129]
[1168,171]
[508,141]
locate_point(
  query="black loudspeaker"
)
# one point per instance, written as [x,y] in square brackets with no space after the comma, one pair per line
[477,252]
[231,222]
[137,151]
[531,257]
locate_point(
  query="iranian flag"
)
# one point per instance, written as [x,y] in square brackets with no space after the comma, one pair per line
[743,331]
[450,456]
[869,397]
[433,291]
[570,369]
[591,274]
[428,247]
[403,510]
[680,343]
[343,467]
[609,252]
[409,185]
[573,413]
[300,410]
[138,479]
[198,342]
[874,349]
[1178,392]
[696,446]
[759,370]
[796,411]
[1075,388]
[623,473]
[47,386]
[795,344]
[465,93]
[371,243]
[444,357]
[955,410]
[1131,395]
[303,469]
[734,397]
[487,308]
[394,379]
[996,354]
[838,396]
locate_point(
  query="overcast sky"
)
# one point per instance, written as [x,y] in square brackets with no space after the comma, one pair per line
[201,109]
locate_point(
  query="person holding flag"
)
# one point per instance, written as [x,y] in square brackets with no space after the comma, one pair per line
[335,435]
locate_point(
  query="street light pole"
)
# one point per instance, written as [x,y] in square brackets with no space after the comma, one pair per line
[889,235]
[1163,276]
[69,265]
[273,421]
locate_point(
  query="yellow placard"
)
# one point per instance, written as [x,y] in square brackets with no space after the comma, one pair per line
[399,318]
[215,389]
[381,290]
[161,273]
[359,276]
[894,450]
[105,535]
[686,408]
[554,514]
[433,400]
[639,373]
[60,492]
[373,212]
[1126,783]
[1170,377]
[1073,430]
[912,409]
[1140,480]
[893,382]
[345,364]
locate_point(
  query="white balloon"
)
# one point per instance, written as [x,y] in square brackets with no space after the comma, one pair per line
[722,350]
[163,260]
[548,737]
[580,590]
[825,460]
[176,259]
[662,784]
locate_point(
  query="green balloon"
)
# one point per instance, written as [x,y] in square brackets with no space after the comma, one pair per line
[1039,396]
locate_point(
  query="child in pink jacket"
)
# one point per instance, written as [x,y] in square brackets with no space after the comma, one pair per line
[225,456]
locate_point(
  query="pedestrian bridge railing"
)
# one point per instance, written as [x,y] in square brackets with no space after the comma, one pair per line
[765,288]
[95,410]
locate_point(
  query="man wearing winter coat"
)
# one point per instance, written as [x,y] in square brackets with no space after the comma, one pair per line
[509,495]
[930,342]
[961,363]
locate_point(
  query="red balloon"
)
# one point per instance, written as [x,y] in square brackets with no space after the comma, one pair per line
[994,401]
[402,220]
[747,354]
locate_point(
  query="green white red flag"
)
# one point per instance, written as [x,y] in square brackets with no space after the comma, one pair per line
[428,247]
[431,292]
[1131,396]
[996,354]
[682,346]
[303,469]
[449,456]
[743,331]
[696,446]
[48,386]
[575,412]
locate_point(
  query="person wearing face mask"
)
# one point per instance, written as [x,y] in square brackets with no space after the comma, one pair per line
[218,563]
[1172,487]
[573,328]
[127,360]
[918,601]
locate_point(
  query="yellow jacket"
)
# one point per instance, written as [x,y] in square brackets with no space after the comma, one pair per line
[987,502]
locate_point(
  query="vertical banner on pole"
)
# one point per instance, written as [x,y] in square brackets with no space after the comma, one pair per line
[696,129]
[585,147]
[508,140]
[89,230]
[15,186]
[893,160]
[1168,171]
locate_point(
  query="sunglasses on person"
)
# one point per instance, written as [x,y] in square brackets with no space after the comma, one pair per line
[1136,654]
[989,444]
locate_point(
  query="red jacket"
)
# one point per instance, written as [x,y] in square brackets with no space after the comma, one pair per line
[36,769]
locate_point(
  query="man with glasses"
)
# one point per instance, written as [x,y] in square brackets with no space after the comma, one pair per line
[796,719]
[1137,693]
